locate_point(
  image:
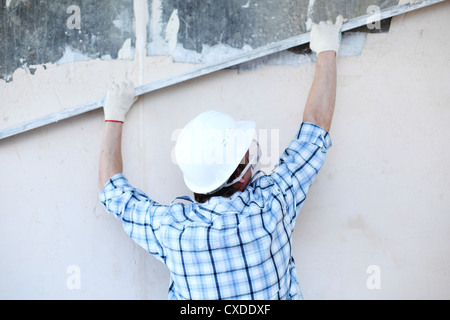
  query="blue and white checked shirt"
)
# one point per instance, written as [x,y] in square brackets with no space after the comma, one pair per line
[227,248]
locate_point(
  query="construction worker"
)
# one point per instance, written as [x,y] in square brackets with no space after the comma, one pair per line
[234,241]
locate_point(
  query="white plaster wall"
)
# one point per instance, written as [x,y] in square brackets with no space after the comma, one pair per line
[382,197]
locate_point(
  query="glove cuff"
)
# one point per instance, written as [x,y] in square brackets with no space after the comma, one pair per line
[114,116]
[115,121]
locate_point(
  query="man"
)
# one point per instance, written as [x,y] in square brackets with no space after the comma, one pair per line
[234,242]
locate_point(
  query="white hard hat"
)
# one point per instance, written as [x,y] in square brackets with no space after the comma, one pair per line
[210,148]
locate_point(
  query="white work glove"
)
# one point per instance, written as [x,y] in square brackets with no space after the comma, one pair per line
[119,99]
[326,36]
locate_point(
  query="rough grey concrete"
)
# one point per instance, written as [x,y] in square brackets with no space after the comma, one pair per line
[255,22]
[35,31]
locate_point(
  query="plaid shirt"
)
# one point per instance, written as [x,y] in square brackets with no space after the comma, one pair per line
[227,248]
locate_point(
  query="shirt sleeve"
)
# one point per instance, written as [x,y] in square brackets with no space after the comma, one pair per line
[141,217]
[299,165]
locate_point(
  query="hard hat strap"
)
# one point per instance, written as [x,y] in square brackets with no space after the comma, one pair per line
[252,163]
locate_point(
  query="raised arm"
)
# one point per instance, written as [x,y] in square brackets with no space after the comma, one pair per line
[321,100]
[119,99]
[111,154]
[325,41]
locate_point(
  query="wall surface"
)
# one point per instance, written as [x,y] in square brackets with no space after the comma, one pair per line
[125,37]
[36,32]
[376,224]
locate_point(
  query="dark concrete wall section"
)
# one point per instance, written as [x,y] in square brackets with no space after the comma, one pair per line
[35,32]
[236,22]
[254,22]
[38,31]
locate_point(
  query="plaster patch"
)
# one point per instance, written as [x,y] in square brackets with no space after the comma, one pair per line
[173,26]
[352,44]
[402,2]
[209,54]
[142,19]
[126,52]
[155,45]
[309,22]
[72,55]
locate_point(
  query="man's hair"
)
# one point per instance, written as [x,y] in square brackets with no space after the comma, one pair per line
[224,192]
